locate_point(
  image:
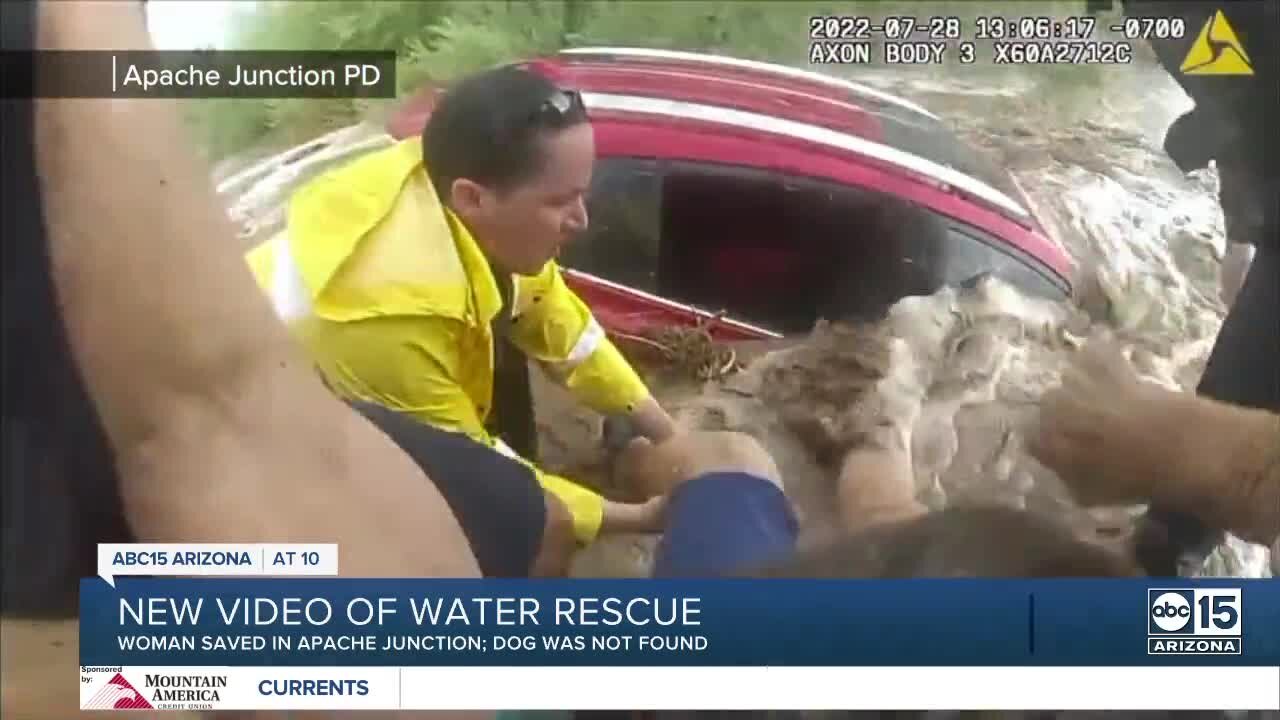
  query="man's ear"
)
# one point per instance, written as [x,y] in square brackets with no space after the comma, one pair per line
[468,198]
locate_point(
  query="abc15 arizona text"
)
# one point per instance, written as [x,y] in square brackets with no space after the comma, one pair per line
[1205,621]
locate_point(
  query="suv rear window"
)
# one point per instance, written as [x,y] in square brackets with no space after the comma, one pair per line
[624,229]
[974,253]
[934,141]
[776,251]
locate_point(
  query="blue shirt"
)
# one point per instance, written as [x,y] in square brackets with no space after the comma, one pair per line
[725,522]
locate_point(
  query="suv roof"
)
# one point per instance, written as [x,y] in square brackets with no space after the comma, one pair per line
[714,109]
[753,67]
[784,101]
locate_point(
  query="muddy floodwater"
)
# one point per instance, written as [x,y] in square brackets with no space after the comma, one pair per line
[961,371]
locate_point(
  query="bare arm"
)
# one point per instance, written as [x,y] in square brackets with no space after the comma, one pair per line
[652,421]
[221,430]
[1229,465]
[1115,439]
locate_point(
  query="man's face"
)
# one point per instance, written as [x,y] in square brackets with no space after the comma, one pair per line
[523,228]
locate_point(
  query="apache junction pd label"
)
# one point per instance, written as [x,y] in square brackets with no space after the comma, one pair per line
[296,76]
[190,74]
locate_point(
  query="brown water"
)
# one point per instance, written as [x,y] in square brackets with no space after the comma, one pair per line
[960,371]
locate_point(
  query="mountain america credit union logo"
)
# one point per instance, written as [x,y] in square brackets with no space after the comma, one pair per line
[1193,622]
[117,694]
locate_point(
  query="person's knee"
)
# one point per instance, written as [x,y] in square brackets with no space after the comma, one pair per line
[559,542]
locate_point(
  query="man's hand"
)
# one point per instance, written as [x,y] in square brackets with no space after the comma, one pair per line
[651,421]
[1101,430]
[657,469]
[1115,439]
[645,517]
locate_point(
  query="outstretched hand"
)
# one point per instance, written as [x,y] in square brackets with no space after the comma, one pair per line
[643,517]
[1101,429]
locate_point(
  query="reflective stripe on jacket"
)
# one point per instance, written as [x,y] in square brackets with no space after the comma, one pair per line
[394,299]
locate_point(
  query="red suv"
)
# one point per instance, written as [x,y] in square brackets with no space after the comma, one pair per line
[773,195]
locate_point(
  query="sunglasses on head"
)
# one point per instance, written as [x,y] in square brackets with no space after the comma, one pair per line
[556,108]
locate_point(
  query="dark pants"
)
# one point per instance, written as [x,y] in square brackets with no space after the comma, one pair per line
[497,501]
[1244,369]
[512,417]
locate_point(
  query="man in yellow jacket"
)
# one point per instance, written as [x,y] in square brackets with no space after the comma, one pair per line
[412,273]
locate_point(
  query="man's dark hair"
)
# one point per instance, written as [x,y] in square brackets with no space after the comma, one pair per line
[60,489]
[487,128]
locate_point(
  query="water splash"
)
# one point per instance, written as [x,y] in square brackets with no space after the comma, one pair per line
[1148,241]
[964,368]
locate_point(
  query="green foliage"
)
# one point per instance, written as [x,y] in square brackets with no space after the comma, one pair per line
[763,30]
[227,126]
[333,24]
[439,40]
[479,35]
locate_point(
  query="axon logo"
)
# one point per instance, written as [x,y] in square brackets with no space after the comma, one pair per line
[1193,622]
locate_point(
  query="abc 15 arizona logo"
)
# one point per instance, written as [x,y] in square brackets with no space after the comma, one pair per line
[1193,622]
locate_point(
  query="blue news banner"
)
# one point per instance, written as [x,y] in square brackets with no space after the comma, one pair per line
[405,623]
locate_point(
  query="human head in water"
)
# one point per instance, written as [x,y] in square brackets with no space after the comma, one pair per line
[512,155]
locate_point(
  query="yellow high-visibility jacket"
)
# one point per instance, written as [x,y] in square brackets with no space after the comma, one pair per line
[393,298]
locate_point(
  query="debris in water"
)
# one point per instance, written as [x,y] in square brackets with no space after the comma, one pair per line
[958,373]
